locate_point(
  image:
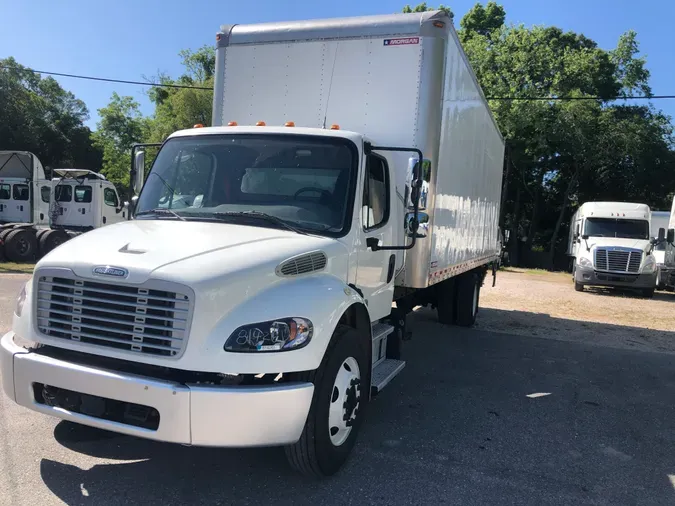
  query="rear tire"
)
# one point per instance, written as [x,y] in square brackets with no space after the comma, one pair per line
[445,301]
[468,295]
[20,245]
[51,240]
[341,388]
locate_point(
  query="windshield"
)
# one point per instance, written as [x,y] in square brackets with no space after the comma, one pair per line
[305,181]
[611,227]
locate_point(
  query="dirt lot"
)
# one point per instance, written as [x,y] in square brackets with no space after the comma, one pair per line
[542,304]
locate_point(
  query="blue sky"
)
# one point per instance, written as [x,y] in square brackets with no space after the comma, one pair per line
[130,39]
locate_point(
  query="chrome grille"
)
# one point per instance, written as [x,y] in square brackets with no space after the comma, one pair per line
[303,264]
[130,318]
[612,260]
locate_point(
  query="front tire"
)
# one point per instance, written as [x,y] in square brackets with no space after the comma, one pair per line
[578,287]
[341,392]
[648,293]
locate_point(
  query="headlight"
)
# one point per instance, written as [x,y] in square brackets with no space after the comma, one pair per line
[283,334]
[585,262]
[649,266]
[20,300]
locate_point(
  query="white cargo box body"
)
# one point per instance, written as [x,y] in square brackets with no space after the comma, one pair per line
[399,80]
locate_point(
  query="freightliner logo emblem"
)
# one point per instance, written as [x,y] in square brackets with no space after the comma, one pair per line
[106,270]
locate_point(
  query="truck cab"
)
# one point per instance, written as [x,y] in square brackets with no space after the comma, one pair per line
[82,200]
[21,175]
[611,246]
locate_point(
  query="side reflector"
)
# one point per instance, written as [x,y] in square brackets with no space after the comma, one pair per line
[439,24]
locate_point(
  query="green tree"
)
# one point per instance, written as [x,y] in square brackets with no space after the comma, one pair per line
[38,115]
[178,108]
[120,126]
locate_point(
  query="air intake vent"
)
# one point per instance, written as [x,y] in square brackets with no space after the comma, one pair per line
[303,264]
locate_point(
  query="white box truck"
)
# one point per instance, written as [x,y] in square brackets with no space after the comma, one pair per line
[259,295]
[663,250]
[610,246]
[37,215]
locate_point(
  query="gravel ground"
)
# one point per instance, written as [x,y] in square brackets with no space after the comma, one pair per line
[541,304]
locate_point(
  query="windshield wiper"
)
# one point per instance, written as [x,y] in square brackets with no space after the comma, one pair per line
[162,211]
[263,216]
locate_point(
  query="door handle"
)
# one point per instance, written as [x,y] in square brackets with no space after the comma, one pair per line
[392,265]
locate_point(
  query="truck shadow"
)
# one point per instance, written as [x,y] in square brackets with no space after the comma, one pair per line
[476,417]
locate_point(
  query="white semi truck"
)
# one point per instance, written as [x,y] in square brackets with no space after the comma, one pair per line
[259,295]
[37,214]
[610,245]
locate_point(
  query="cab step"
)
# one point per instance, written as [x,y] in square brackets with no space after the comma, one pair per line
[384,372]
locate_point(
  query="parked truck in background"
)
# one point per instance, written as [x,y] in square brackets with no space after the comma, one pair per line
[611,246]
[663,250]
[37,214]
[259,296]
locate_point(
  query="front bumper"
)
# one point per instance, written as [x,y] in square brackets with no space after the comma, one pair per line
[589,276]
[201,415]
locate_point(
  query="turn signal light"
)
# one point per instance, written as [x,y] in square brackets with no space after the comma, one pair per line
[260,123]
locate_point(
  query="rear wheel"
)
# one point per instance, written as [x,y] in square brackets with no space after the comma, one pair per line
[51,240]
[445,301]
[468,294]
[20,245]
[341,389]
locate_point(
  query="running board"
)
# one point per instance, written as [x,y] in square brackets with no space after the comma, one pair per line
[384,372]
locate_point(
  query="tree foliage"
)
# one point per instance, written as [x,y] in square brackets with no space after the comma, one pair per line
[38,115]
[562,153]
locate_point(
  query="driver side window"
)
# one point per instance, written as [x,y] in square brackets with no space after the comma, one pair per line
[375,205]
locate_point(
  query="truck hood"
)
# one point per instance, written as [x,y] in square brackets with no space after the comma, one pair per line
[143,247]
[602,242]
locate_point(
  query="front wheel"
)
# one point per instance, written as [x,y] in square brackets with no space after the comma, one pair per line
[578,287]
[648,293]
[341,391]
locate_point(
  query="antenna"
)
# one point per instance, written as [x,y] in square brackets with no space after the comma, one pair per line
[330,84]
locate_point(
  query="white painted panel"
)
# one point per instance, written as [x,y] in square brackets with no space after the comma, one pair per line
[359,84]
[468,177]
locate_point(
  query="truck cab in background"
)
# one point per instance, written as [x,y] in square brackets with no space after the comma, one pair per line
[611,246]
[37,215]
[664,251]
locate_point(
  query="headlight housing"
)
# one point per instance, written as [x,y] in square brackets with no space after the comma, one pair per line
[649,267]
[20,300]
[282,334]
[585,262]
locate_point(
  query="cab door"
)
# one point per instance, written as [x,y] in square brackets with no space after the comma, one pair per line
[375,271]
[5,197]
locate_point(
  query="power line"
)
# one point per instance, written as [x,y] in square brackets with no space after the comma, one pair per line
[166,85]
[629,97]
[105,79]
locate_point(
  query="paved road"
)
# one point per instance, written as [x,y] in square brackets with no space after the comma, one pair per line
[457,427]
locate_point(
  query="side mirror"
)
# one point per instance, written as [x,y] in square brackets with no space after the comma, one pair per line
[670,237]
[653,241]
[139,171]
[422,224]
[662,234]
